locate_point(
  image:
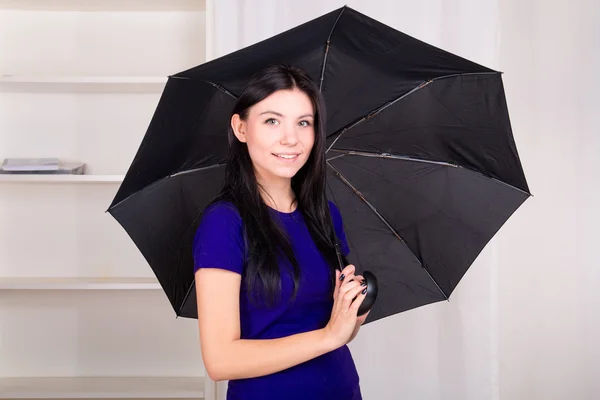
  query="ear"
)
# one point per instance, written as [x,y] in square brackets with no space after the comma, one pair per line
[239,128]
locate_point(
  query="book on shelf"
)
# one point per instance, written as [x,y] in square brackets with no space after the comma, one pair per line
[41,166]
[30,164]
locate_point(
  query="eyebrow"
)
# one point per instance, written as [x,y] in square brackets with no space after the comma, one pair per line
[281,115]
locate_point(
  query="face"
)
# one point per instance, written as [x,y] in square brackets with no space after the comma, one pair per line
[279,132]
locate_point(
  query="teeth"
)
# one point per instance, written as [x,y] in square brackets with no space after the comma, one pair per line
[286,156]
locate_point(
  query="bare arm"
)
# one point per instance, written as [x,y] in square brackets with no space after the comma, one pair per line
[225,355]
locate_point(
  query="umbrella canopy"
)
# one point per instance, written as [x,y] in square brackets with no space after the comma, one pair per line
[421,158]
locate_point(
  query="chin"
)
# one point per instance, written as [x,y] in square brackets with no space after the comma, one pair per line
[283,172]
[286,173]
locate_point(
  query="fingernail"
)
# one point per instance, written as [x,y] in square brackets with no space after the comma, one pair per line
[364,291]
[342,277]
[363,283]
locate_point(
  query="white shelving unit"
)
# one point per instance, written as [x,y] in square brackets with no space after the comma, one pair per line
[81,313]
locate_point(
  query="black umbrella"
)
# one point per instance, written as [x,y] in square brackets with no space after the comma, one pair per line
[421,158]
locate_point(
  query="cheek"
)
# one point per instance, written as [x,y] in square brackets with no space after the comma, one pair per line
[260,146]
[258,152]
[257,142]
[309,141]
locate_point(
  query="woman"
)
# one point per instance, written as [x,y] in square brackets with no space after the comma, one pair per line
[274,313]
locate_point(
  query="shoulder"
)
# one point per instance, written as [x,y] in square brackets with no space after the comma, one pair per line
[220,212]
[219,220]
[218,241]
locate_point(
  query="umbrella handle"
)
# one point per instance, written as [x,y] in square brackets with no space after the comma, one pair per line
[372,286]
[372,291]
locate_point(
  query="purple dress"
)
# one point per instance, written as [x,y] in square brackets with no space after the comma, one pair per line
[219,244]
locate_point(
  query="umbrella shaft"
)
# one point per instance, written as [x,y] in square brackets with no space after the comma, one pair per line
[339,256]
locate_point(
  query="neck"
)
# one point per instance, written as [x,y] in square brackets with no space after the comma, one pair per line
[278,195]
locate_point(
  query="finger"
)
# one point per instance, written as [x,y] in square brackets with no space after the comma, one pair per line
[342,305]
[338,283]
[339,304]
[346,276]
[355,290]
[358,301]
[346,287]
[350,283]
[349,269]
[348,279]
[349,295]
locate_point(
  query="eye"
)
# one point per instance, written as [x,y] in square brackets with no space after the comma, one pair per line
[271,121]
[305,123]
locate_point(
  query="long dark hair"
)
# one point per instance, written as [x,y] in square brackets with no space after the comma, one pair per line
[265,239]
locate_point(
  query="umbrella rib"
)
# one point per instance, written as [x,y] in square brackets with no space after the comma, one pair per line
[327,48]
[160,180]
[393,156]
[362,197]
[334,157]
[187,171]
[222,89]
[377,111]
[446,164]
[390,103]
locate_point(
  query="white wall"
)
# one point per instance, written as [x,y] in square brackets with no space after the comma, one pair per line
[522,323]
[548,255]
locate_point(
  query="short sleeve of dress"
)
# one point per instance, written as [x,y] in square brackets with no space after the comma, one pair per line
[338,223]
[218,242]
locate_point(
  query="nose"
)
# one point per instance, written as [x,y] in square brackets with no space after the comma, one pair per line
[289,135]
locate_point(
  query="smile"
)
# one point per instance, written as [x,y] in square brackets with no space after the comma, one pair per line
[287,156]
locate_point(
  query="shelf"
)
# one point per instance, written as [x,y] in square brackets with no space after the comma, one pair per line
[82,83]
[84,79]
[102,388]
[60,283]
[59,178]
[104,5]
